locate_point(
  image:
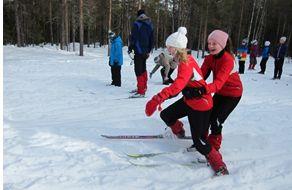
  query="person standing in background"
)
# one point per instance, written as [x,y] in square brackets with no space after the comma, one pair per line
[253,54]
[265,57]
[141,41]
[279,56]
[241,55]
[116,58]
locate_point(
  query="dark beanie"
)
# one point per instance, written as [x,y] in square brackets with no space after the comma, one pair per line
[141,11]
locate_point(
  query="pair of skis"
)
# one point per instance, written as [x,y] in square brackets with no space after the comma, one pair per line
[147,137]
[133,158]
[128,137]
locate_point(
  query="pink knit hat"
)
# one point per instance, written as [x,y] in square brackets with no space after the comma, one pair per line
[220,37]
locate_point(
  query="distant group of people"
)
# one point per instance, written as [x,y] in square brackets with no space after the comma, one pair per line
[207,105]
[279,55]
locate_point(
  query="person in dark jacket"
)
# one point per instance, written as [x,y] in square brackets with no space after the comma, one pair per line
[141,41]
[116,58]
[265,57]
[279,56]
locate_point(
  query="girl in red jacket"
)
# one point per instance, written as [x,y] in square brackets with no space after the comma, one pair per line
[226,85]
[197,109]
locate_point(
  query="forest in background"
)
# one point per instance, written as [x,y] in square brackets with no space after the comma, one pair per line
[62,22]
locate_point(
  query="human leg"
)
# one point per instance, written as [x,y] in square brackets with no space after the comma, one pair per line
[222,107]
[280,67]
[172,113]
[140,72]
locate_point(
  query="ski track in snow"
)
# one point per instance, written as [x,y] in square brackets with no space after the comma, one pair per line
[57,104]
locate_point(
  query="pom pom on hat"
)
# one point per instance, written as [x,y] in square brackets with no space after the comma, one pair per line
[220,37]
[178,39]
[254,42]
[283,38]
[267,43]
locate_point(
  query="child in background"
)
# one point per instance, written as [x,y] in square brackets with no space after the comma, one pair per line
[253,54]
[168,63]
[265,57]
[116,58]
[241,55]
[279,56]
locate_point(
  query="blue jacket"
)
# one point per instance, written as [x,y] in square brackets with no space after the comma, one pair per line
[280,51]
[266,52]
[242,52]
[141,39]
[116,53]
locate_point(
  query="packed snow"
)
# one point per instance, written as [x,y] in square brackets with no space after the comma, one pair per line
[57,104]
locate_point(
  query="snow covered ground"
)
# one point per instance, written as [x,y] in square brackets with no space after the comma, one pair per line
[57,104]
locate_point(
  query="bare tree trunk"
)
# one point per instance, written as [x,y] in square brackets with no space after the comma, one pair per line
[109,26]
[284,26]
[200,32]
[81,35]
[240,22]
[157,28]
[251,20]
[63,34]
[17,23]
[259,9]
[278,29]
[261,25]
[140,4]
[165,22]
[173,15]
[51,23]
[66,19]
[205,28]
[73,25]
[88,35]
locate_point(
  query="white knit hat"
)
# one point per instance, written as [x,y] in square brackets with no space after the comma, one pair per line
[283,38]
[267,43]
[254,42]
[178,39]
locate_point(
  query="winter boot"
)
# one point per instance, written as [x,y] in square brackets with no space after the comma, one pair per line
[142,84]
[215,141]
[177,129]
[253,67]
[215,160]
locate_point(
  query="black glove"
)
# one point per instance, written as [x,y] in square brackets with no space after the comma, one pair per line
[195,92]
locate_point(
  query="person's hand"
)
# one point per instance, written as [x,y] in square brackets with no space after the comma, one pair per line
[152,105]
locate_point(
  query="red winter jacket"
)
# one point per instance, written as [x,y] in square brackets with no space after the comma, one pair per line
[189,74]
[226,80]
